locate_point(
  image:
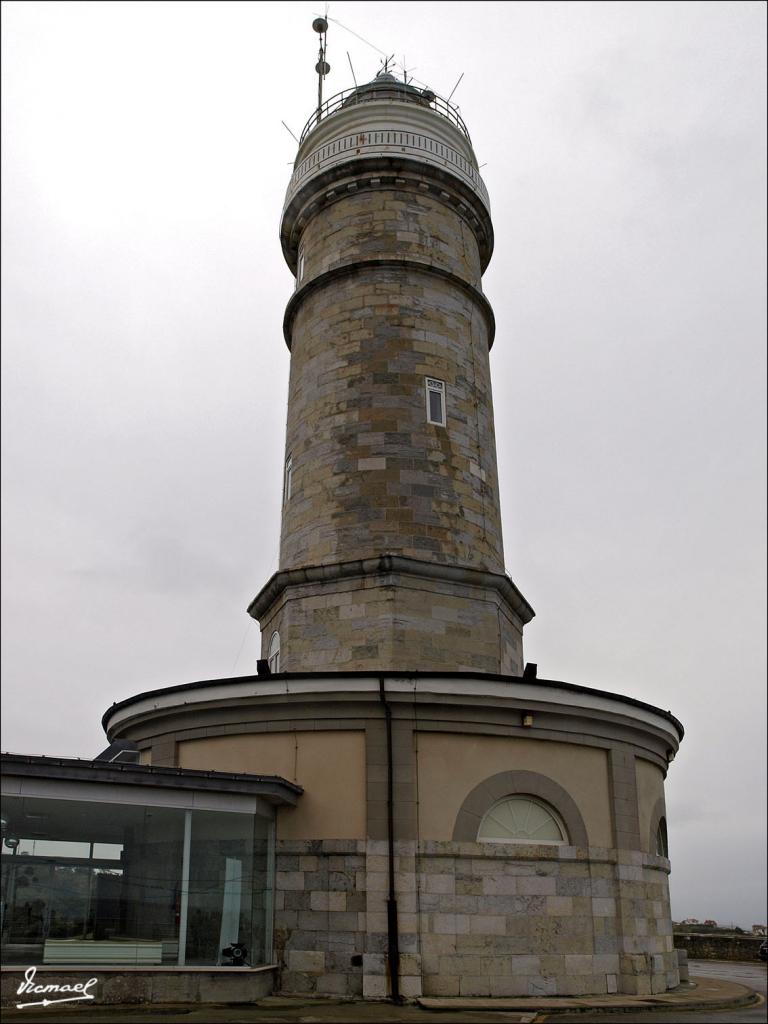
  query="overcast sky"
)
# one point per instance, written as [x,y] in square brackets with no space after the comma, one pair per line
[145,373]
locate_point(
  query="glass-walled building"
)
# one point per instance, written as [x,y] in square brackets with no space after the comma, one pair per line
[127,865]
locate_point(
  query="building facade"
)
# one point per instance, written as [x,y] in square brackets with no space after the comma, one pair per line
[457,826]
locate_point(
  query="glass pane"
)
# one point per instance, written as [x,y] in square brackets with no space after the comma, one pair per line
[662,849]
[102,883]
[520,819]
[64,905]
[226,888]
[435,406]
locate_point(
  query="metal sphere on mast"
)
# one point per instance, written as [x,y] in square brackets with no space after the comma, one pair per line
[320,25]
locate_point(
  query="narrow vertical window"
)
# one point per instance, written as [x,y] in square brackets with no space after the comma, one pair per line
[274,653]
[662,845]
[288,480]
[435,401]
[300,273]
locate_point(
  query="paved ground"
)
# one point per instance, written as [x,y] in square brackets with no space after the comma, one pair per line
[752,975]
[717,982]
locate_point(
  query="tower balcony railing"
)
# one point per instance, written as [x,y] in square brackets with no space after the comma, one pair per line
[352,96]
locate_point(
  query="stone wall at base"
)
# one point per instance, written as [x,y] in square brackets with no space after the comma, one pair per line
[320,915]
[475,919]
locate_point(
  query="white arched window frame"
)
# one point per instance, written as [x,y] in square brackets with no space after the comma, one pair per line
[522,819]
[288,479]
[274,652]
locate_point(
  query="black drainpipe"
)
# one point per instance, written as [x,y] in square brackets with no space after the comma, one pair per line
[393,941]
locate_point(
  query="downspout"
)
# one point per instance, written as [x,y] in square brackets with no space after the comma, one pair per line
[393,940]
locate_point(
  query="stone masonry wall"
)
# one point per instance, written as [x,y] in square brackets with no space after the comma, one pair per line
[370,474]
[475,919]
[535,920]
[383,223]
[320,915]
[398,621]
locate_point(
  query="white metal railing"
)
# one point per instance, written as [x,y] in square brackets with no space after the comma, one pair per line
[427,148]
[352,96]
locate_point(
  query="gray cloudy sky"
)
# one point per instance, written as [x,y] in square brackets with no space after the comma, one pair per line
[145,374]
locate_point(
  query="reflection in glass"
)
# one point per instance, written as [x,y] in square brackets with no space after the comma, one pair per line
[87,883]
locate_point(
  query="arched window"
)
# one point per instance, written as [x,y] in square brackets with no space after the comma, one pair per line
[483,804]
[274,652]
[522,819]
[662,846]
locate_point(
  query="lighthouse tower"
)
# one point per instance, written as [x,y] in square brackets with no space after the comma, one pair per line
[457,827]
[391,551]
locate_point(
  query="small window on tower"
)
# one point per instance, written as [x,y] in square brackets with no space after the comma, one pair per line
[288,480]
[300,270]
[274,653]
[662,845]
[435,401]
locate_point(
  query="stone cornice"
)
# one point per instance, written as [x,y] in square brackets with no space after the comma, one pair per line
[408,265]
[358,174]
[381,564]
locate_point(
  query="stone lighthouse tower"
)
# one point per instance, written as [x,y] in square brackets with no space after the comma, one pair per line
[391,551]
[456,826]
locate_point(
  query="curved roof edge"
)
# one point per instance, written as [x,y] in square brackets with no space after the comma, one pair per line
[367,673]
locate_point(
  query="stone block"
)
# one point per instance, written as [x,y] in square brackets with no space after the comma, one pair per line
[440,884]
[374,963]
[374,986]
[607,963]
[542,986]
[292,880]
[298,983]
[501,885]
[438,944]
[375,942]
[603,907]
[635,984]
[438,985]
[410,986]
[578,964]
[537,886]
[313,920]
[305,961]
[559,906]
[410,964]
[474,985]
[508,986]
[343,921]
[488,924]
[525,964]
[333,984]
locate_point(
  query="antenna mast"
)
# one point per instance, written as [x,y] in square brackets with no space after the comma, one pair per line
[320,25]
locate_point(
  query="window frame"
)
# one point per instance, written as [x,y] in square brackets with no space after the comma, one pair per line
[273,652]
[288,478]
[433,385]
